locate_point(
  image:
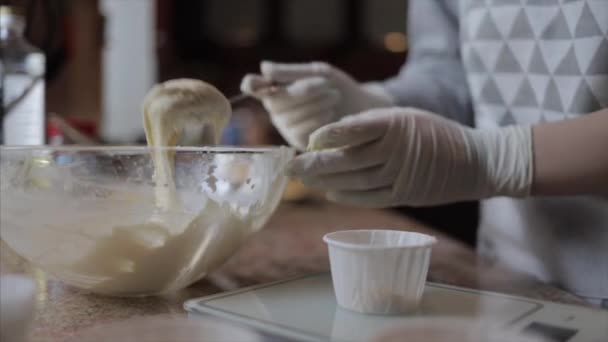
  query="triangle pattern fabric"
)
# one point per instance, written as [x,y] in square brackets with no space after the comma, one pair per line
[487,115]
[554,51]
[531,60]
[567,86]
[465,51]
[487,30]
[582,48]
[552,100]
[568,65]
[527,116]
[474,4]
[488,52]
[558,28]
[599,9]
[539,85]
[504,17]
[510,2]
[474,18]
[540,16]
[572,11]
[542,2]
[474,62]
[476,82]
[508,84]
[553,116]
[508,119]
[599,62]
[537,63]
[521,27]
[490,93]
[587,26]
[506,61]
[464,34]
[584,100]
[599,87]
[525,96]
[523,51]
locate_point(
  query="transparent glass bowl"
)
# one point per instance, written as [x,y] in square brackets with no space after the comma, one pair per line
[88,215]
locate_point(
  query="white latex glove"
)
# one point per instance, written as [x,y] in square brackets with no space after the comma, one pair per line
[406,156]
[309,96]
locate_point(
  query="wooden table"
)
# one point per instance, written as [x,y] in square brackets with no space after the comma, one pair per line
[290,245]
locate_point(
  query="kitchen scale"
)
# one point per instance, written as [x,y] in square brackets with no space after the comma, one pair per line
[305,309]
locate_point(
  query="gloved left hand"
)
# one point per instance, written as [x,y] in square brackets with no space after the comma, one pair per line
[406,156]
[309,95]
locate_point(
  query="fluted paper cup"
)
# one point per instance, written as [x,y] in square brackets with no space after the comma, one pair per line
[379,271]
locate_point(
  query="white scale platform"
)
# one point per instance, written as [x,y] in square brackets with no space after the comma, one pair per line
[305,309]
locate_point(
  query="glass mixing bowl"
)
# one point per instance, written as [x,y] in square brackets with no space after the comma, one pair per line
[88,215]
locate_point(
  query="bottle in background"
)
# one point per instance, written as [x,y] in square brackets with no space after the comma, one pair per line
[22,69]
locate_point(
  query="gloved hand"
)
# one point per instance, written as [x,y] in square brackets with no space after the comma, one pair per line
[405,156]
[310,95]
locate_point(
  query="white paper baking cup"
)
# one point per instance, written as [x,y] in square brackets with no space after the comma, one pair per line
[379,271]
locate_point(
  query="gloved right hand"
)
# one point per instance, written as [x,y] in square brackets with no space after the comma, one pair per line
[307,96]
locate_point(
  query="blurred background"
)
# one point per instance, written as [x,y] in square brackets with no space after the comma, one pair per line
[103,56]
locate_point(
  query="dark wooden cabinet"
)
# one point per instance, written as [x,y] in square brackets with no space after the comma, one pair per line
[221,40]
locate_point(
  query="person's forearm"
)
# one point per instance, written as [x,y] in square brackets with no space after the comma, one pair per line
[571,156]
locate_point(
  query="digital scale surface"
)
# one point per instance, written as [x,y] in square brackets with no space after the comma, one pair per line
[305,309]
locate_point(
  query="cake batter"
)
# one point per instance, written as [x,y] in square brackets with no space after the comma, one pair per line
[157,256]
